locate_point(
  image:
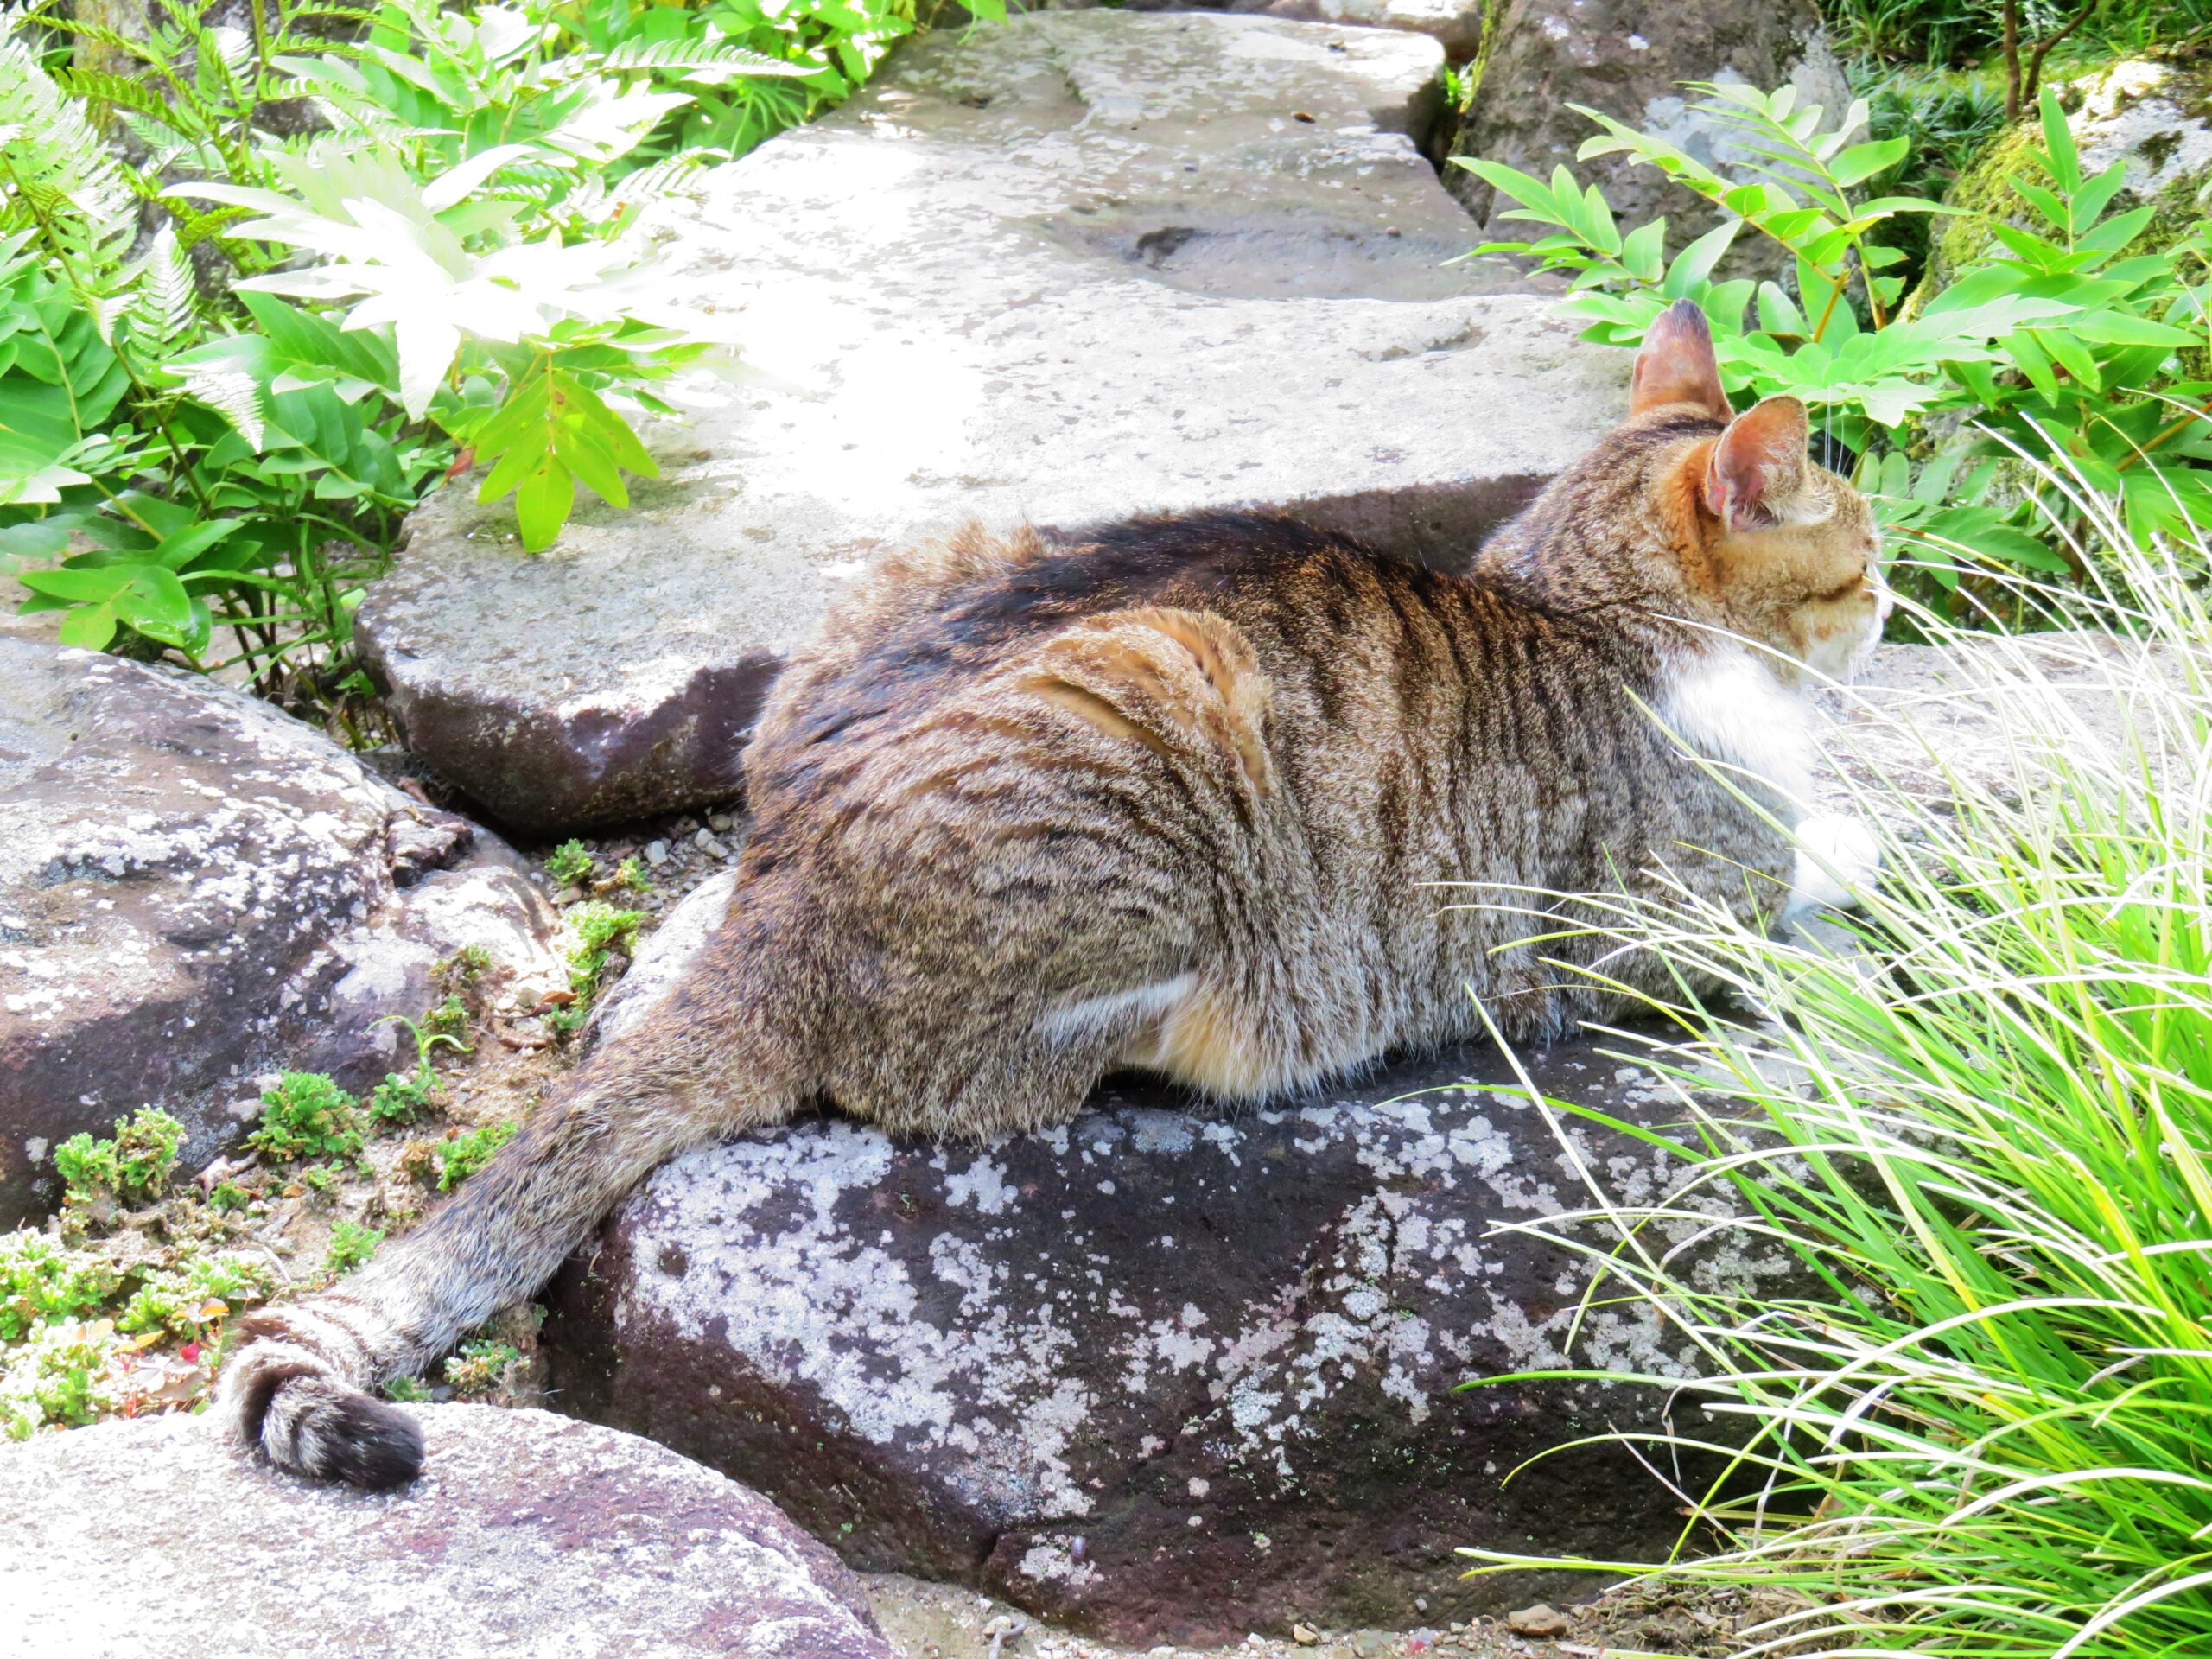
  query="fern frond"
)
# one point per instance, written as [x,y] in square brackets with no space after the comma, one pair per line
[708,62]
[57,175]
[164,311]
[226,60]
[228,388]
[117,91]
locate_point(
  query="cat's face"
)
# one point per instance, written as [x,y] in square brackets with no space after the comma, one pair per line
[1783,551]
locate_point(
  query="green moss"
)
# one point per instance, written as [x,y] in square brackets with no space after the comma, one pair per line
[1984,190]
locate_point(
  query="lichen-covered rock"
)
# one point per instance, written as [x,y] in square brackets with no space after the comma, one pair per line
[1630,59]
[1161,1375]
[195,888]
[527,1535]
[2153,118]
[1077,266]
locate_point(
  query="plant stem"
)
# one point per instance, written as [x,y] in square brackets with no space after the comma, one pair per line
[2011,60]
[2043,51]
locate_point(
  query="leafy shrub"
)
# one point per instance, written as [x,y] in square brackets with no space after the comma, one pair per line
[1978,1427]
[132,1168]
[305,1114]
[240,461]
[465,1154]
[2061,334]
[1954,33]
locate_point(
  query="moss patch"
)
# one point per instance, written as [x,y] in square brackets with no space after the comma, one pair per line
[2156,118]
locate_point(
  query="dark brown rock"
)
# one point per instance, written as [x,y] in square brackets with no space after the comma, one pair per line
[1159,1375]
[1630,60]
[528,1534]
[196,888]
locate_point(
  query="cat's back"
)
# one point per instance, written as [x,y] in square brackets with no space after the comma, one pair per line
[921,630]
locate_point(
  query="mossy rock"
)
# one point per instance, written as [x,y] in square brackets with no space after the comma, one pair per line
[2154,117]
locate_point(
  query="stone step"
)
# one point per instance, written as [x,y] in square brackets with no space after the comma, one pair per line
[1076,267]
[528,1534]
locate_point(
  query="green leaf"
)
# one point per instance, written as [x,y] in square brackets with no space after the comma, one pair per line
[543,501]
[2059,140]
[1644,248]
[1862,161]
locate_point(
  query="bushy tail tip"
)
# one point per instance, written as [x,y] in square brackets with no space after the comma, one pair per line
[283,1400]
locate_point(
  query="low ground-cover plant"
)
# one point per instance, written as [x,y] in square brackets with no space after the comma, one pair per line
[1983,1430]
[133,1167]
[466,1151]
[2064,331]
[2016,39]
[119,1306]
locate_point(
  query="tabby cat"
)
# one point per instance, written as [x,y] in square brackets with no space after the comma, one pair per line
[1175,795]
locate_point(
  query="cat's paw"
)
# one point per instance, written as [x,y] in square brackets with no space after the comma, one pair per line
[281,1395]
[1836,854]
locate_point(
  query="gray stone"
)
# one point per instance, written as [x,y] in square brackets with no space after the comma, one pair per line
[666,956]
[1080,266]
[1630,60]
[1455,25]
[1163,1375]
[527,1535]
[196,888]
[1925,722]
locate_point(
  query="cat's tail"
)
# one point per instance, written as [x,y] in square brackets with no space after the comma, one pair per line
[298,1387]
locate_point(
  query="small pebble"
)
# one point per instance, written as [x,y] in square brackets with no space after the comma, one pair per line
[1542,1619]
[656,853]
[720,823]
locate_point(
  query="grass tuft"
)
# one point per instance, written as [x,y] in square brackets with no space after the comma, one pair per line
[1989,1140]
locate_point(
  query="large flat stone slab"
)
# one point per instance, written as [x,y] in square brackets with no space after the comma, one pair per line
[1456,25]
[1083,265]
[195,888]
[527,1535]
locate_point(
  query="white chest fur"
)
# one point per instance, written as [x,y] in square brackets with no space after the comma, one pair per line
[1728,707]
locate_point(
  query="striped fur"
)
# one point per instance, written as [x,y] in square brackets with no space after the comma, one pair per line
[1175,794]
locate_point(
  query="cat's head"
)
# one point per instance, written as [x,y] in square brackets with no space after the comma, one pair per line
[1772,545]
[1691,511]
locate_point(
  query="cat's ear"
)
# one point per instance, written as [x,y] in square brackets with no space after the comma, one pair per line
[1760,466]
[1677,364]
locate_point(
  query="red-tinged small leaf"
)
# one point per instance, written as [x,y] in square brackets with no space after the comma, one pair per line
[461,463]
